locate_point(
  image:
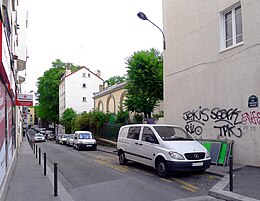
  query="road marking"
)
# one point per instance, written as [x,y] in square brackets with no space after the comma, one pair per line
[166,180]
[115,167]
[186,184]
[189,189]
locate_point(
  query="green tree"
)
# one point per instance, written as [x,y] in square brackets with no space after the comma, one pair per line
[144,81]
[48,91]
[67,119]
[116,80]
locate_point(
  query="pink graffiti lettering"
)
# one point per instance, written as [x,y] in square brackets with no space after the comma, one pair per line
[252,117]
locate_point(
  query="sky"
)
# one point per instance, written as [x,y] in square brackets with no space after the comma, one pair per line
[98,34]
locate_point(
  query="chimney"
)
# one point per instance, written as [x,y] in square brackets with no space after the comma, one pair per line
[98,73]
[100,87]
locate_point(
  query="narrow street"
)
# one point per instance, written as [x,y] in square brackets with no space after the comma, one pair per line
[96,175]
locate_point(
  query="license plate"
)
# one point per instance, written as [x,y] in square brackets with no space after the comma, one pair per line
[197,164]
[88,145]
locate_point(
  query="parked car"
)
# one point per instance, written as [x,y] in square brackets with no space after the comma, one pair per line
[58,138]
[39,137]
[69,141]
[84,140]
[49,135]
[63,139]
[167,148]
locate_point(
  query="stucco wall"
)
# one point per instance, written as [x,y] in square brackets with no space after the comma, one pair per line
[72,91]
[111,101]
[206,89]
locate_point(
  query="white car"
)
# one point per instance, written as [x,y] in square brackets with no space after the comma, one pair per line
[39,138]
[84,140]
[64,138]
[167,148]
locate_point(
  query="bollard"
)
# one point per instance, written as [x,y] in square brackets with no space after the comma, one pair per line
[231,173]
[36,150]
[39,156]
[44,163]
[55,179]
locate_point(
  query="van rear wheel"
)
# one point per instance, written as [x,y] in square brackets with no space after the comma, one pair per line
[122,159]
[161,168]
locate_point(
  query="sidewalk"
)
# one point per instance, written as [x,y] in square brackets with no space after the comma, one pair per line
[246,185]
[28,182]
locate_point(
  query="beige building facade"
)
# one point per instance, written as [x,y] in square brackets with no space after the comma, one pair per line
[212,71]
[111,99]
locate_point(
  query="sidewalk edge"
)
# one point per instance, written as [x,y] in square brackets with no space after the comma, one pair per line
[218,191]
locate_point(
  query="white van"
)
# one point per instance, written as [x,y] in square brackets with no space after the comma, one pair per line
[167,148]
[84,140]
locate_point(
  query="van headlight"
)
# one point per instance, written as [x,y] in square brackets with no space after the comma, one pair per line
[207,155]
[176,155]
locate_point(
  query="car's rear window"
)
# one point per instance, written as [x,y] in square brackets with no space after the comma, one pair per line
[171,133]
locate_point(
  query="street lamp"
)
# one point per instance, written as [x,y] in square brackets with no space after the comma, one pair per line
[142,16]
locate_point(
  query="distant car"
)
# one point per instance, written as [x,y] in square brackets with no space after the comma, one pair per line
[39,138]
[69,141]
[63,138]
[49,135]
[84,140]
[58,138]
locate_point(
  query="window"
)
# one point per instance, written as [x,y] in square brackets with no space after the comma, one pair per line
[84,99]
[84,75]
[89,75]
[133,133]
[232,32]
[148,136]
[84,85]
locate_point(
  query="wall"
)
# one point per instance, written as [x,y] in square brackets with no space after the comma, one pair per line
[206,89]
[75,92]
[111,99]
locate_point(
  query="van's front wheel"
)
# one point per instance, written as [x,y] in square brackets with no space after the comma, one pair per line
[122,159]
[161,168]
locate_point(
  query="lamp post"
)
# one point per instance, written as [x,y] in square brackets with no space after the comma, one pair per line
[142,16]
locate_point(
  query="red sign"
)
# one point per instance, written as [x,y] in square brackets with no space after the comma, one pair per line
[24,100]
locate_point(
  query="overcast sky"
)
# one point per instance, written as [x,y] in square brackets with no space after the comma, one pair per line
[98,34]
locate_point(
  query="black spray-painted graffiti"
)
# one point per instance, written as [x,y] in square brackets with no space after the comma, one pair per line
[225,121]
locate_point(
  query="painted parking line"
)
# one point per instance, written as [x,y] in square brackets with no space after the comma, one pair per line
[186,184]
[189,189]
[166,180]
[115,167]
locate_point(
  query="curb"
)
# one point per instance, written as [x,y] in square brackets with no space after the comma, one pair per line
[218,191]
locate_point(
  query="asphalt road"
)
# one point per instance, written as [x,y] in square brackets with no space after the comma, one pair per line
[97,176]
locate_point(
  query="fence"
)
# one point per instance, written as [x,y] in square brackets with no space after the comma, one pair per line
[110,131]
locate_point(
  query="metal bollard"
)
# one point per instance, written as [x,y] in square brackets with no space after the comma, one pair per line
[39,156]
[44,163]
[34,148]
[36,151]
[55,179]
[231,173]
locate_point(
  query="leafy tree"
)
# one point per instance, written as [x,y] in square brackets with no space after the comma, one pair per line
[122,116]
[145,81]
[67,119]
[91,121]
[48,91]
[116,80]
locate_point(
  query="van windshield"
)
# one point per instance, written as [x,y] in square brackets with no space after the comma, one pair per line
[170,133]
[85,136]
